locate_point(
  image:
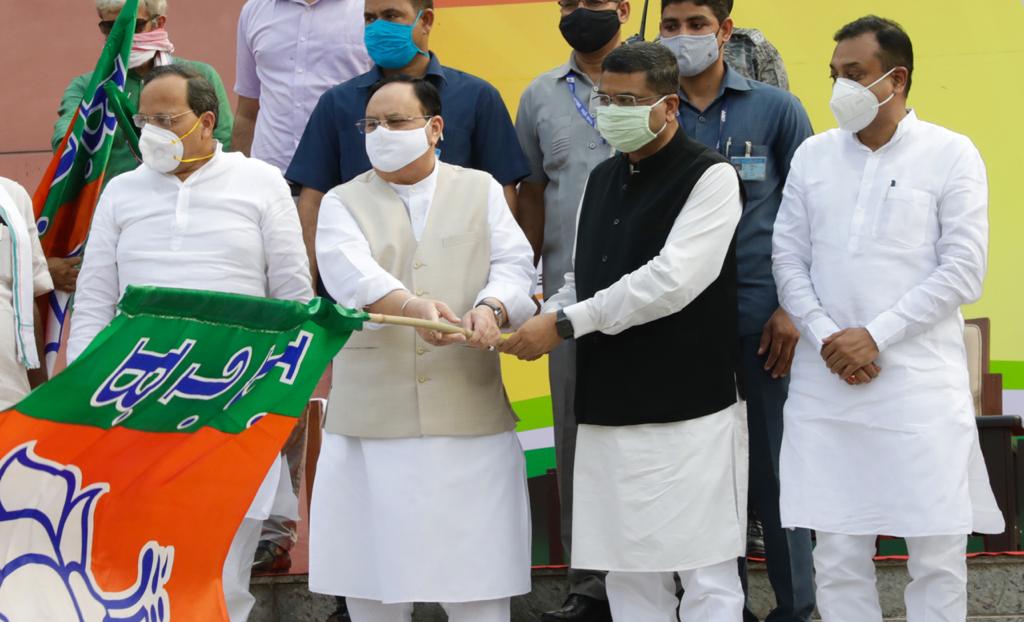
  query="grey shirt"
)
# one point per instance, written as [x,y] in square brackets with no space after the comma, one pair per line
[562,148]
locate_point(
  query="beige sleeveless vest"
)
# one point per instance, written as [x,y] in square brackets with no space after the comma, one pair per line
[389,383]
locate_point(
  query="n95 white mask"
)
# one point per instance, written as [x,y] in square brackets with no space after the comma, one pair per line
[854,105]
[162,149]
[392,150]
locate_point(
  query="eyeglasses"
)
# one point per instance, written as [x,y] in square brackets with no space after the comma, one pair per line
[593,5]
[366,126]
[108,24]
[603,99]
[160,120]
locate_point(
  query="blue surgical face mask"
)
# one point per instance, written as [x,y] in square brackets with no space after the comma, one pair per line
[390,44]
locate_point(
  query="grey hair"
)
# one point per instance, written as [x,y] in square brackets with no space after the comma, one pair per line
[156,8]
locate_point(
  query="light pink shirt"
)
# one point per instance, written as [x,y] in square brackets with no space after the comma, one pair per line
[289,53]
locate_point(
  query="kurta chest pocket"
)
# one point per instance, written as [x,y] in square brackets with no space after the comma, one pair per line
[904,217]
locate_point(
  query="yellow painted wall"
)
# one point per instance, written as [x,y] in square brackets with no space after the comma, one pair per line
[968,78]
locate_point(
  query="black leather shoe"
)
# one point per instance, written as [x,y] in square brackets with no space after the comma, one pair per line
[341,613]
[579,608]
[271,558]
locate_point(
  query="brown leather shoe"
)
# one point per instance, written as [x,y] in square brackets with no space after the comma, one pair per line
[271,558]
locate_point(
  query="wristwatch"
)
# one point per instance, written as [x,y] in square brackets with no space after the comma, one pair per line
[493,307]
[563,326]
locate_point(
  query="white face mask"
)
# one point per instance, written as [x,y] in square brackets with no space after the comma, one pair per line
[162,150]
[392,150]
[694,53]
[854,105]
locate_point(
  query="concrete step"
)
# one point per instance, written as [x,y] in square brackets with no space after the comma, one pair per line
[995,594]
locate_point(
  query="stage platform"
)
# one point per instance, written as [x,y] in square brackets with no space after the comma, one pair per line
[996,594]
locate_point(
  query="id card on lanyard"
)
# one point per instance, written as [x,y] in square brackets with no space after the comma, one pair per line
[749,167]
[581,108]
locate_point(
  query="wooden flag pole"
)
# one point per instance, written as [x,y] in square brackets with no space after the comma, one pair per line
[441,327]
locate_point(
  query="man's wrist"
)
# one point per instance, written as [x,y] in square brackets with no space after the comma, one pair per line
[496,310]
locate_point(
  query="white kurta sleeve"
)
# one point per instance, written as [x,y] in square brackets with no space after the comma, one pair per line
[689,262]
[512,275]
[791,261]
[962,251]
[287,264]
[98,288]
[345,260]
[41,281]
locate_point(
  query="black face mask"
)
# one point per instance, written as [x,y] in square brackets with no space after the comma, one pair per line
[588,31]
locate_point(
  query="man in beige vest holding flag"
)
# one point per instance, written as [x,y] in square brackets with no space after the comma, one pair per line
[420,492]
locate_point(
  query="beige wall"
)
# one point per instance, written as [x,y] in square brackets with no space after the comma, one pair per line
[45,43]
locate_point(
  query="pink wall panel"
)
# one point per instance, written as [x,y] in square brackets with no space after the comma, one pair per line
[44,43]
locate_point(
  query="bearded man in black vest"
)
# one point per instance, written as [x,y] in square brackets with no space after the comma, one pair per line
[661,456]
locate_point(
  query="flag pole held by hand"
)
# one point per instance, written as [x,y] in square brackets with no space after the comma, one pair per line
[441,327]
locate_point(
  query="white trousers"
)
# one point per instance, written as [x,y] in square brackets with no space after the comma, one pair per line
[845,578]
[362,610]
[711,594]
[238,569]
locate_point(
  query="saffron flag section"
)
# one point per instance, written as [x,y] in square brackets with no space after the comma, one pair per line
[124,479]
[66,197]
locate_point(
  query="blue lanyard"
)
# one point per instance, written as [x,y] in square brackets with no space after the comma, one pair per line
[721,127]
[581,108]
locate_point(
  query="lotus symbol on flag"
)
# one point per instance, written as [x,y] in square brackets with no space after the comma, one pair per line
[46,528]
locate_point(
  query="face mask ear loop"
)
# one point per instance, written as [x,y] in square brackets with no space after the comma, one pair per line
[178,139]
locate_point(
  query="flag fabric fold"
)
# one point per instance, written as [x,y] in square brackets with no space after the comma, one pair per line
[66,197]
[124,478]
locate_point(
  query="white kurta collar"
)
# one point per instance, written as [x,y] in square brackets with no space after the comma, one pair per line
[906,126]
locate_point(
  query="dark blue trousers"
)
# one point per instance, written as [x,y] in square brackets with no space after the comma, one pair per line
[788,551]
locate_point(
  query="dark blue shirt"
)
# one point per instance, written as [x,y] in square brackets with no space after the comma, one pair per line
[774,122]
[478,131]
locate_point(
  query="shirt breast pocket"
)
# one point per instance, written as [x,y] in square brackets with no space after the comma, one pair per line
[556,142]
[905,217]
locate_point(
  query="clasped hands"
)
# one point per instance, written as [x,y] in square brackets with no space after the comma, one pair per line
[479,321]
[851,354]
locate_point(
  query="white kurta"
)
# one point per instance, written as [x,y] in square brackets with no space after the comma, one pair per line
[229,227]
[662,497]
[13,377]
[436,519]
[895,241]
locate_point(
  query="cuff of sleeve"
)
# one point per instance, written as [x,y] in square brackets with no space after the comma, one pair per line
[518,305]
[582,322]
[886,329]
[822,328]
[373,289]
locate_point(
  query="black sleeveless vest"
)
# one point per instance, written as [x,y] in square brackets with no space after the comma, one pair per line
[681,366]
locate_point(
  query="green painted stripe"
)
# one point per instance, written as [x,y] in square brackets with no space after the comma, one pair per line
[533,413]
[539,461]
[1012,371]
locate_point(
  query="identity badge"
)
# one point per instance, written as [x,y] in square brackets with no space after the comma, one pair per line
[751,168]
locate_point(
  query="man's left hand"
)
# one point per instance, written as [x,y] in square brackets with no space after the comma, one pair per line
[778,340]
[849,350]
[534,339]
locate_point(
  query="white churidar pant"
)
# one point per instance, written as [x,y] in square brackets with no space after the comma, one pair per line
[845,578]
[711,594]
[362,610]
[238,569]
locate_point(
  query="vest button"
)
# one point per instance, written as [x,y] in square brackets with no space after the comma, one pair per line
[420,292]
[422,379]
[615,222]
[604,258]
[416,265]
[421,350]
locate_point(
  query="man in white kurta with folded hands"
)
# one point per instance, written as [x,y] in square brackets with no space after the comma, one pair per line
[881,237]
[195,217]
[420,493]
